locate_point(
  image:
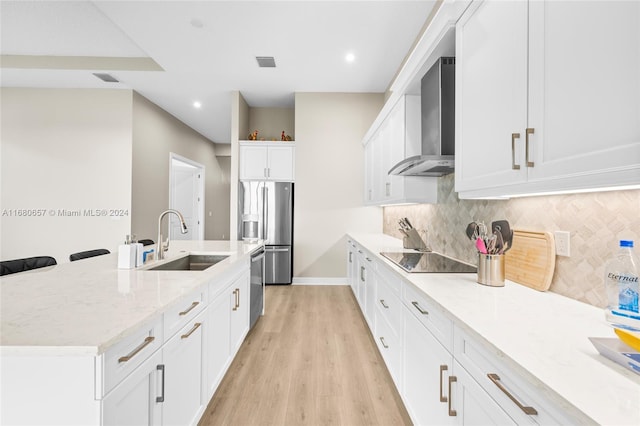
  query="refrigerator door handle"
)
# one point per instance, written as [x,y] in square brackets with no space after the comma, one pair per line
[276,249]
[265,213]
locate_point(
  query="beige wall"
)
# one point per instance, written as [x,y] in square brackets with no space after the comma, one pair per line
[64,150]
[596,222]
[330,178]
[156,133]
[270,122]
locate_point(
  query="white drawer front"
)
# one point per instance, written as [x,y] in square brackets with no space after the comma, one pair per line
[389,345]
[519,399]
[186,309]
[124,357]
[425,311]
[389,305]
[391,278]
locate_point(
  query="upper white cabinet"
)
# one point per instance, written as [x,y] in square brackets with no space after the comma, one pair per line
[396,138]
[547,97]
[267,161]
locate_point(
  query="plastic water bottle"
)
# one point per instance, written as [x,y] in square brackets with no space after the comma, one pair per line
[621,283]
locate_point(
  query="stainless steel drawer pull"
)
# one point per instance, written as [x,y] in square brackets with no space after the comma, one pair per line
[350,259]
[384,304]
[147,341]
[190,332]
[193,305]
[514,136]
[443,368]
[422,311]
[235,300]
[368,260]
[529,131]
[496,381]
[160,398]
[383,343]
[360,251]
[452,413]
[362,274]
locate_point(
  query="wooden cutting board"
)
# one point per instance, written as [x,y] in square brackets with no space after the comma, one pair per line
[532,259]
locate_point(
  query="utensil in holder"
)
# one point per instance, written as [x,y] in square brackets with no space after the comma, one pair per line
[491,269]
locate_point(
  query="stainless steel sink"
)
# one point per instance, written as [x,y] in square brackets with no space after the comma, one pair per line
[192,262]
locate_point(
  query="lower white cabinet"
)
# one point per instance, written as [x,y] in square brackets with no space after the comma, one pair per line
[218,339]
[239,311]
[182,378]
[427,367]
[134,400]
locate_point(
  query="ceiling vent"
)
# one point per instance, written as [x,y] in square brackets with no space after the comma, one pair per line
[107,78]
[266,61]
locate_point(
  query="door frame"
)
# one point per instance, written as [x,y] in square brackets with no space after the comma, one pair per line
[200,192]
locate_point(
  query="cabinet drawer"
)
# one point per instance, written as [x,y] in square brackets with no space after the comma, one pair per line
[124,357]
[425,310]
[389,345]
[391,278]
[520,400]
[183,312]
[389,305]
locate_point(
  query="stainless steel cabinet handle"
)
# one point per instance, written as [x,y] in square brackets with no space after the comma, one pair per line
[362,273]
[193,305]
[383,343]
[368,260]
[514,136]
[529,131]
[384,304]
[422,311]
[388,189]
[147,341]
[160,398]
[235,293]
[452,413]
[443,398]
[350,259]
[190,332]
[496,381]
[360,251]
[238,297]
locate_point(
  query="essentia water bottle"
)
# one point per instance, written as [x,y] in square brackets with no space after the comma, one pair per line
[621,283]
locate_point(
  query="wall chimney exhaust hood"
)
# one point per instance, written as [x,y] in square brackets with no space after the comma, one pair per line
[437,91]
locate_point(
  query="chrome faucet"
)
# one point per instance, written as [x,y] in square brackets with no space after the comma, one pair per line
[160,246]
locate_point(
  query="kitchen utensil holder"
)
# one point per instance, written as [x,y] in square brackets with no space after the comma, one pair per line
[491,269]
[414,241]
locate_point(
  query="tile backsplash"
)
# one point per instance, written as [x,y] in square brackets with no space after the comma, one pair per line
[596,222]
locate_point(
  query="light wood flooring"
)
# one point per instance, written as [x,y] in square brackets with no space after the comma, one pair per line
[310,360]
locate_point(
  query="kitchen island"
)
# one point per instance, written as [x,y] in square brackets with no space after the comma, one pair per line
[80,340]
[493,342]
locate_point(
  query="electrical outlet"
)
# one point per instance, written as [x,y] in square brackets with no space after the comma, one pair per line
[563,243]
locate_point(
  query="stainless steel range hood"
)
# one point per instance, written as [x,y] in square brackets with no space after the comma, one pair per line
[438,124]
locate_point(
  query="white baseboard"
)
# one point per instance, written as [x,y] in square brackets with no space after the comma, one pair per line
[319,281]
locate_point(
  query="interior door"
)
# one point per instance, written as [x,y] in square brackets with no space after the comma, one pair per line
[186,196]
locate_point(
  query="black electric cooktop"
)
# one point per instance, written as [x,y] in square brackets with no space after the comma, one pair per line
[428,262]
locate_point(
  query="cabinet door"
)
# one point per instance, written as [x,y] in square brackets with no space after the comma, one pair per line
[584,92]
[491,94]
[351,265]
[217,340]
[369,159]
[133,401]
[369,292]
[472,404]
[239,308]
[281,163]
[183,381]
[253,162]
[427,366]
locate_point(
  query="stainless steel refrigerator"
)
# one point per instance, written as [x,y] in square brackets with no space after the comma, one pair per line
[265,211]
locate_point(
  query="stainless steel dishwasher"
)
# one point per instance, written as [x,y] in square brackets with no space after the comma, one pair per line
[256,291]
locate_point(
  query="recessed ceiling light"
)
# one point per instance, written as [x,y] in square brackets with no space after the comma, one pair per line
[197,105]
[350,57]
[196,23]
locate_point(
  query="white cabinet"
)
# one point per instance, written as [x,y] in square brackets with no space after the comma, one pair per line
[540,104]
[135,400]
[397,137]
[267,161]
[238,297]
[182,380]
[352,266]
[218,339]
[388,323]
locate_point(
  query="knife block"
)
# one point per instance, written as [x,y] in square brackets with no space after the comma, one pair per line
[414,241]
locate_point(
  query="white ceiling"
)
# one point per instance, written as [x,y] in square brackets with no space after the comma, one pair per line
[207,49]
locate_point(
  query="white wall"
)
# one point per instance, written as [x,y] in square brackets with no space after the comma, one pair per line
[329,179]
[64,150]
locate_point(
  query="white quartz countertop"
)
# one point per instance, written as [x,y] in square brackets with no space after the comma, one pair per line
[86,306]
[542,335]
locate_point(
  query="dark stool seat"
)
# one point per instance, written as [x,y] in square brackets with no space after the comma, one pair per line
[28,263]
[89,253]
